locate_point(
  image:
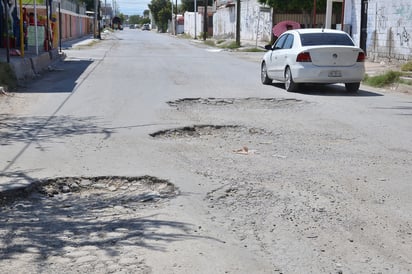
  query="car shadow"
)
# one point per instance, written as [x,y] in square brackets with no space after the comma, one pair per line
[329,90]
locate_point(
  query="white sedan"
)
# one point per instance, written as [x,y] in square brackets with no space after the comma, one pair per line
[314,56]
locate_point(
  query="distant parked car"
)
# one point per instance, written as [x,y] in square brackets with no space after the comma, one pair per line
[146,27]
[320,56]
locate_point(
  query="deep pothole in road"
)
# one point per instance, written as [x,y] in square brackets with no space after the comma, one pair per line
[205,130]
[250,102]
[118,189]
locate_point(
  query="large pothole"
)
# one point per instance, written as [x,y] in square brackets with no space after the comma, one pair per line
[250,102]
[117,189]
[85,225]
[205,130]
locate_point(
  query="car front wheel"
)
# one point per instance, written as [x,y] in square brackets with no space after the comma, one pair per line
[290,85]
[264,75]
[352,87]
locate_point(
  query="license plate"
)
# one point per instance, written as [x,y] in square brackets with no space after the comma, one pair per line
[335,73]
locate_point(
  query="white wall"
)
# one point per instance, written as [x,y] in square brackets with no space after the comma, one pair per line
[253,23]
[224,23]
[189,27]
[390,29]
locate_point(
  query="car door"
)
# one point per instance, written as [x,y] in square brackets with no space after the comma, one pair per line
[283,57]
[273,62]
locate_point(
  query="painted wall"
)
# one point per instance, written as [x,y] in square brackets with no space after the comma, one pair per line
[73,25]
[254,24]
[189,24]
[389,30]
[391,25]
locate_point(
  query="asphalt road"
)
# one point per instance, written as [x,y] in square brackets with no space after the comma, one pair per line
[317,181]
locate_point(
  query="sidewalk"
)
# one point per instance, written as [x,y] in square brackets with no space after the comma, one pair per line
[31,65]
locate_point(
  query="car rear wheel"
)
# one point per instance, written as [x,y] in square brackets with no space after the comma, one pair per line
[352,87]
[290,85]
[264,75]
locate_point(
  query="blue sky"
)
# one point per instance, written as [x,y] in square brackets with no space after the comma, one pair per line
[133,7]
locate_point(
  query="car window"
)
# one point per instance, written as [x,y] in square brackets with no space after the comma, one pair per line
[323,38]
[279,43]
[288,42]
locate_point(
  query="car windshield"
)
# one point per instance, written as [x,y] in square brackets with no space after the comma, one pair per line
[322,39]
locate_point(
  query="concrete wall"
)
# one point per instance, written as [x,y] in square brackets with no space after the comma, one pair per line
[390,29]
[189,26]
[254,23]
[224,22]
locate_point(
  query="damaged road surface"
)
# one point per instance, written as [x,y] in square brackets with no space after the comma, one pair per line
[81,222]
[175,159]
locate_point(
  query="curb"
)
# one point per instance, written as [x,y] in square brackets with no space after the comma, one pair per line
[29,68]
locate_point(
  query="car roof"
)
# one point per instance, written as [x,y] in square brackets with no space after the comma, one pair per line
[316,30]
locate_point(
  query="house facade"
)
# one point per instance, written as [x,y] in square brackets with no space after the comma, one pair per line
[382,28]
[42,20]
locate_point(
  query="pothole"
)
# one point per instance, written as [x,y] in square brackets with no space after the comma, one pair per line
[250,102]
[204,130]
[117,189]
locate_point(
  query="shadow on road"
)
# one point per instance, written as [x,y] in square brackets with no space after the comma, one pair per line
[41,225]
[329,90]
[62,77]
[39,129]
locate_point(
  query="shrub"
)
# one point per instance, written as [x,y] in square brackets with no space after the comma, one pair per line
[210,43]
[385,79]
[407,66]
[7,77]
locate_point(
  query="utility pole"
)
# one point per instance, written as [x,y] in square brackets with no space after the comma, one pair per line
[99,36]
[172,21]
[205,22]
[238,23]
[195,12]
[95,19]
[176,20]
[6,23]
[314,14]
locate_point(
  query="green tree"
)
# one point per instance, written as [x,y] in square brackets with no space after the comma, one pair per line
[122,17]
[89,4]
[189,5]
[162,13]
[146,13]
[134,19]
[138,19]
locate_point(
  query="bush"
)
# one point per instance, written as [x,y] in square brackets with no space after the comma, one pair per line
[407,66]
[385,79]
[210,43]
[7,77]
[254,49]
[229,45]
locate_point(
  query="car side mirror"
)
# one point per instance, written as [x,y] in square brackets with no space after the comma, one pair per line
[268,47]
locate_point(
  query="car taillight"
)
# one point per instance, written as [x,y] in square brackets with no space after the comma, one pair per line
[361,57]
[303,57]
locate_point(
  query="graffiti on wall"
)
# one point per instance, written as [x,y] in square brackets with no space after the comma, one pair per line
[404,13]
[386,18]
[403,35]
[381,19]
